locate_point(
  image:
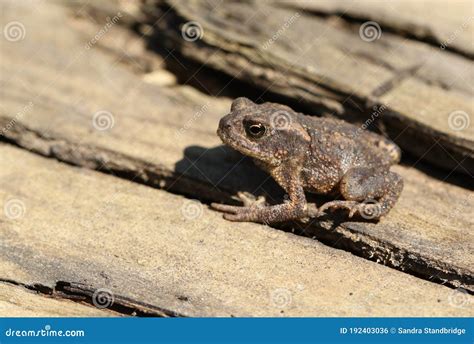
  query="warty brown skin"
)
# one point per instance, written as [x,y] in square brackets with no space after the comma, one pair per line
[310,154]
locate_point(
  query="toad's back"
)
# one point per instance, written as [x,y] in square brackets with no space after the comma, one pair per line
[337,146]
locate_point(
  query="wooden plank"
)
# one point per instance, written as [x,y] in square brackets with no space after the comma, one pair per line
[450,27]
[171,253]
[330,68]
[16,301]
[165,137]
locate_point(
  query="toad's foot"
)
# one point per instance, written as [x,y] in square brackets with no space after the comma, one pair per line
[350,205]
[232,209]
[262,214]
[368,210]
[234,212]
[250,200]
[247,212]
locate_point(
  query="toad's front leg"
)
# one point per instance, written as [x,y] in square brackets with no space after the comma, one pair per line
[295,209]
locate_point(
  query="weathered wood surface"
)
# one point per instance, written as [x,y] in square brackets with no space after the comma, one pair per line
[423,94]
[165,137]
[16,301]
[166,253]
[449,25]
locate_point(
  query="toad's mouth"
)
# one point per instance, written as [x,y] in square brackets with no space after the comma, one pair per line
[236,141]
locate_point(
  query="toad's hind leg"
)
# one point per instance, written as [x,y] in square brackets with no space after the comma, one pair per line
[369,192]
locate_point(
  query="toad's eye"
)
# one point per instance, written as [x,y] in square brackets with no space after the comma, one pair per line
[254,130]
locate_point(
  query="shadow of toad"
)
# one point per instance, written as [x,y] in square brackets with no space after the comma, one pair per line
[226,170]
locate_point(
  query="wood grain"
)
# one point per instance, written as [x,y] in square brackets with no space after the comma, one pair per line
[166,252]
[16,301]
[90,230]
[418,94]
[450,27]
[165,137]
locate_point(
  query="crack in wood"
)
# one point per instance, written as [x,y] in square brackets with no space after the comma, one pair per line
[329,231]
[329,91]
[419,34]
[84,294]
[398,78]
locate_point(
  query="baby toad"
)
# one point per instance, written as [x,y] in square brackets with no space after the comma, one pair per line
[310,154]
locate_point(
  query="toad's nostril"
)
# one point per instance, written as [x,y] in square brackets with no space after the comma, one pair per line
[225,124]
